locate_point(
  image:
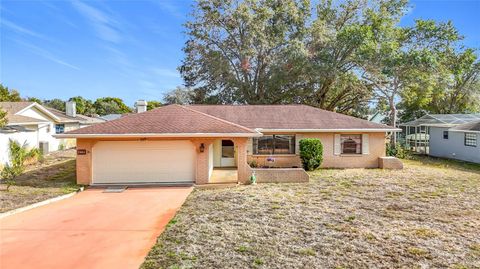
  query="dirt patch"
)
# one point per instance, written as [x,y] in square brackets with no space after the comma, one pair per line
[425,216]
[52,177]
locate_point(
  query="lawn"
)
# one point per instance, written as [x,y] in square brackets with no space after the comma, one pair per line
[425,216]
[52,177]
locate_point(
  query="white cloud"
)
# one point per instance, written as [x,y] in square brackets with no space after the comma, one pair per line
[104,25]
[17,28]
[46,54]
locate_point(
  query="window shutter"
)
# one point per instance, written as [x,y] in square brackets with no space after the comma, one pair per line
[337,147]
[365,144]
[250,146]
[298,137]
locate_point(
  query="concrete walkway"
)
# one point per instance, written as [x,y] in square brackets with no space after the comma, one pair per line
[93,229]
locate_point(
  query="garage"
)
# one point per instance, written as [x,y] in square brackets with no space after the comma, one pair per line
[146,161]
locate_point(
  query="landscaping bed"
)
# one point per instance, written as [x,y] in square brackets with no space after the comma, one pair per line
[424,216]
[47,179]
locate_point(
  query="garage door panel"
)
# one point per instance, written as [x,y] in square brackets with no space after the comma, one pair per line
[143,161]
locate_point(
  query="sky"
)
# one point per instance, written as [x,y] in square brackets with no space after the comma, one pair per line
[128,48]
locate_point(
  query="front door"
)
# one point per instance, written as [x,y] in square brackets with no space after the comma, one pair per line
[228,154]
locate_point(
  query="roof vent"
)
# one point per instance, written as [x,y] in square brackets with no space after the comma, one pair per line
[141,106]
[71,109]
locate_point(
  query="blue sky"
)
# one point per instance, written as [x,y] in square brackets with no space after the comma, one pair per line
[130,48]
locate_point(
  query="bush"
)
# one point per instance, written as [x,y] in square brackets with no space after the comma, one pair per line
[19,154]
[311,153]
[398,151]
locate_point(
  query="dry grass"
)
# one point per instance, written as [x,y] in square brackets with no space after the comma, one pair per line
[52,177]
[425,216]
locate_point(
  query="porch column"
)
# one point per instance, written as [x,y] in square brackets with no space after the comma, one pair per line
[243,169]
[201,167]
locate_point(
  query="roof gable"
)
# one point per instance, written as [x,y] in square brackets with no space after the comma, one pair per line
[27,112]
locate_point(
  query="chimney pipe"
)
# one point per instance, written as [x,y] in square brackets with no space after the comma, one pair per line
[141,106]
[71,109]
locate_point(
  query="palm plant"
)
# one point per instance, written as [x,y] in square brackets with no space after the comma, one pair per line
[19,154]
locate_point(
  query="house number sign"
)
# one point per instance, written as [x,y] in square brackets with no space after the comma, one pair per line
[81,152]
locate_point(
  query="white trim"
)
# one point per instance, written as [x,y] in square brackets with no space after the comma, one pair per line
[28,123]
[41,108]
[171,135]
[365,130]
[464,131]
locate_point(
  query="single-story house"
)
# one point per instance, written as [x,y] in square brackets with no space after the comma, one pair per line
[461,142]
[186,144]
[35,125]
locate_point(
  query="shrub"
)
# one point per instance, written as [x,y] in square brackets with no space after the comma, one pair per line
[398,151]
[19,154]
[311,153]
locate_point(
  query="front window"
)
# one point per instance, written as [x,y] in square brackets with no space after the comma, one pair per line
[351,143]
[445,134]
[274,144]
[471,139]
[59,128]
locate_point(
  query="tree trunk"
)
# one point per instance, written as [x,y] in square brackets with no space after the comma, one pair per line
[393,120]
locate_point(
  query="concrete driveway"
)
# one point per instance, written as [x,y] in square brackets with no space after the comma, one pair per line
[92,229]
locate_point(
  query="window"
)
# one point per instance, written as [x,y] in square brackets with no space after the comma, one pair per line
[351,143]
[274,144]
[445,134]
[59,128]
[228,149]
[471,139]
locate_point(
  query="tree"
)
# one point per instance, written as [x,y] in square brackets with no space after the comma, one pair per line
[56,103]
[405,58]
[237,51]
[153,104]
[83,106]
[34,99]
[19,154]
[7,95]
[110,105]
[454,87]
[3,118]
[182,96]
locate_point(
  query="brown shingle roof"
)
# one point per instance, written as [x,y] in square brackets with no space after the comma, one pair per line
[79,118]
[14,107]
[172,119]
[286,117]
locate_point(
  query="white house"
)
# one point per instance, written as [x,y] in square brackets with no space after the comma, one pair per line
[35,125]
[461,142]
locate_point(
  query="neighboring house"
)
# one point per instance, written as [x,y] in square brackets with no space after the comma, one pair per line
[461,142]
[35,125]
[178,143]
[417,133]
[110,117]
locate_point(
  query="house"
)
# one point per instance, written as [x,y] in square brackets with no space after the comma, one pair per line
[417,133]
[35,125]
[461,142]
[187,144]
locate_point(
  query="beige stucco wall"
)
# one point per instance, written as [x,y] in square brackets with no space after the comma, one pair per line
[203,161]
[330,160]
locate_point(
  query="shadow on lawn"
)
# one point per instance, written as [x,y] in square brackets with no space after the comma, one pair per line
[56,175]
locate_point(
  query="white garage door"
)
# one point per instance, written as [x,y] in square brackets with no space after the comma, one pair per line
[143,161]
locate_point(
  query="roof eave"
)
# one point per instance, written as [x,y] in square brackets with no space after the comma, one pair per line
[166,135]
[366,130]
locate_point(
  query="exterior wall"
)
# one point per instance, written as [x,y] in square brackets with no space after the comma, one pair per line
[217,153]
[84,162]
[31,138]
[330,160]
[280,175]
[453,147]
[210,160]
